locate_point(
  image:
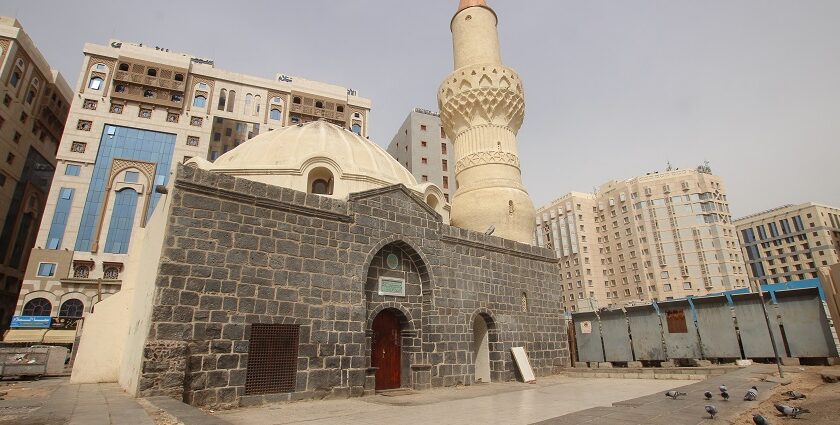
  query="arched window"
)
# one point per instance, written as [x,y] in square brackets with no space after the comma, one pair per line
[319,104]
[179,77]
[71,308]
[123,67]
[321,181]
[248,99]
[111,272]
[37,307]
[151,72]
[275,114]
[95,83]
[524,302]
[30,96]
[120,88]
[81,271]
[278,100]
[148,93]
[15,79]
[122,221]
[432,200]
[222,99]
[296,100]
[339,108]
[257,101]
[295,120]
[200,101]
[231,101]
[356,128]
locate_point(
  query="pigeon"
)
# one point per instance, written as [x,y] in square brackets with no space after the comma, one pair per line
[791,411]
[751,394]
[711,410]
[722,388]
[759,420]
[793,395]
[708,395]
[674,394]
[725,395]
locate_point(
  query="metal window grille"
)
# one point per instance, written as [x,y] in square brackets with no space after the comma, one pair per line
[272,359]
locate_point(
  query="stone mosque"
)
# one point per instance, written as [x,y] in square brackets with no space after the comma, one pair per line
[309,263]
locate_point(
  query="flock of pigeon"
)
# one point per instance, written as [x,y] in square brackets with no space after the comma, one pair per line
[751,395]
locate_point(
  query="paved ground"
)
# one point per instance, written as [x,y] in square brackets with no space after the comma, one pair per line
[502,403]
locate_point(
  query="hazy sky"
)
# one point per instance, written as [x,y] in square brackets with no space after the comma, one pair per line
[614,88]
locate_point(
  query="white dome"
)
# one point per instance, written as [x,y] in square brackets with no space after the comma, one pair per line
[295,155]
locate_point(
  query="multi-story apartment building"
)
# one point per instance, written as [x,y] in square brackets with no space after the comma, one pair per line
[34,107]
[660,236]
[137,112]
[790,242]
[422,146]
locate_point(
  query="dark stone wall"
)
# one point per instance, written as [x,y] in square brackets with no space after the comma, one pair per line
[238,252]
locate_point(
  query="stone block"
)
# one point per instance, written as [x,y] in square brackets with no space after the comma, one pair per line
[700,363]
[667,363]
[790,361]
[581,365]
[743,362]
[634,365]
[605,365]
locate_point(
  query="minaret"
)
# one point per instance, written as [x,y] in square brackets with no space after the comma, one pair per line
[482,106]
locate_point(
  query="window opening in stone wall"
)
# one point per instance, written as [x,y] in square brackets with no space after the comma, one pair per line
[272,359]
[38,307]
[676,321]
[71,308]
[524,302]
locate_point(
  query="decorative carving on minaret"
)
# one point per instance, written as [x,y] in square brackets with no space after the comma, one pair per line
[482,106]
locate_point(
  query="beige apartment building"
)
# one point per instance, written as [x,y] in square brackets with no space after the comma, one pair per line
[137,112]
[422,147]
[790,242]
[660,236]
[34,107]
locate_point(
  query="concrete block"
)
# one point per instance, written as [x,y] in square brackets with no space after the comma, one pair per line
[790,361]
[833,361]
[701,363]
[581,365]
[605,365]
[634,364]
[667,363]
[743,363]
[694,377]
[593,365]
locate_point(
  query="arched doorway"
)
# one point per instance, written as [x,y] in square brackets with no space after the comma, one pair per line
[481,349]
[385,350]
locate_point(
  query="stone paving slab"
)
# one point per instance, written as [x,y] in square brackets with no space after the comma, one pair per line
[688,410]
[184,413]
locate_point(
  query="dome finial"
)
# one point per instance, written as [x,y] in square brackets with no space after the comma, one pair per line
[470,3]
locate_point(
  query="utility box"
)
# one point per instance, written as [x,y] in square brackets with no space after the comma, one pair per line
[32,361]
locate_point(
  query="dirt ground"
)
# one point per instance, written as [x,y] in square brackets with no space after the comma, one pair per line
[823,399]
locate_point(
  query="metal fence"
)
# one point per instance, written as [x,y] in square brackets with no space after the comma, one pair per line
[714,327]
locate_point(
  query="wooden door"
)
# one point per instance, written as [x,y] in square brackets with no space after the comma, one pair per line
[385,350]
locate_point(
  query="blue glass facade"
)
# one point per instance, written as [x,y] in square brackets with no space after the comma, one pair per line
[797,224]
[749,236]
[125,143]
[785,226]
[761,232]
[59,221]
[122,220]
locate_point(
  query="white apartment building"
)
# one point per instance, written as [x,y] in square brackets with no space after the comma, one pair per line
[660,236]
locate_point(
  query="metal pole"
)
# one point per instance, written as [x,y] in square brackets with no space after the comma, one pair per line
[769,329]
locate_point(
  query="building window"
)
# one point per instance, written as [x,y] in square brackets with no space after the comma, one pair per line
[296,100]
[78,147]
[424,160]
[90,104]
[81,271]
[422,127]
[339,108]
[123,67]
[423,143]
[144,113]
[131,177]
[172,117]
[196,121]
[445,182]
[686,285]
[176,98]
[30,96]
[275,114]
[179,77]
[444,165]
[193,140]
[95,83]
[120,88]
[446,196]
[424,178]
[200,101]
[443,148]
[122,221]
[71,308]
[151,72]
[10,158]
[148,93]
[524,302]
[111,272]
[46,269]
[666,287]
[321,181]
[16,137]
[356,128]
[72,170]
[37,307]
[295,120]
[319,104]
[84,125]
[15,79]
